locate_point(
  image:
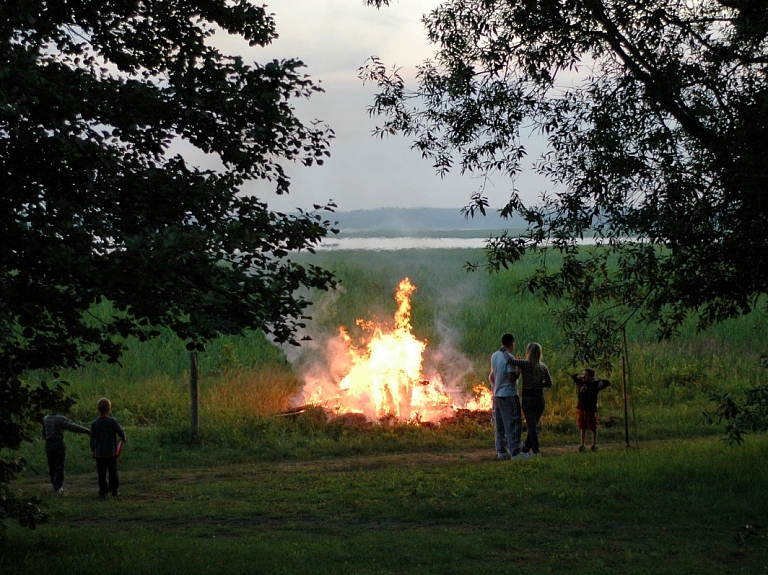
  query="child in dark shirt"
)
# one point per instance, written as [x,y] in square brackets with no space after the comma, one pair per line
[588,388]
[105,431]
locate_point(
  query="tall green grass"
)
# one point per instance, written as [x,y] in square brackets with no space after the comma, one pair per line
[243,381]
[256,490]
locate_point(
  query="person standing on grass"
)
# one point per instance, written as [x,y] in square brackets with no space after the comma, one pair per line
[535,378]
[105,431]
[588,386]
[54,425]
[506,402]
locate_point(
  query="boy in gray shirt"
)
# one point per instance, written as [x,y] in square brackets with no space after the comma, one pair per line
[55,449]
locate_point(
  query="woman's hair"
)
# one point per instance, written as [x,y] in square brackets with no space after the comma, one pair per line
[533,354]
[104,406]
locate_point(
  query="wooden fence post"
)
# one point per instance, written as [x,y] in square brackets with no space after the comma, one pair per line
[193,389]
[624,389]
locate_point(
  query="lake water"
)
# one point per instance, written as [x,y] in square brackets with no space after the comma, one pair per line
[385,244]
[406,243]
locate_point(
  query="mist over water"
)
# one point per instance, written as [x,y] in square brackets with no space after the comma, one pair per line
[404,243]
[410,243]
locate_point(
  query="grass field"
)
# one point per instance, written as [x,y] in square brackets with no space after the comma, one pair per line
[671,507]
[255,493]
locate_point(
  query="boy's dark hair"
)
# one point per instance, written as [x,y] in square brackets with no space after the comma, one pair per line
[590,372]
[507,339]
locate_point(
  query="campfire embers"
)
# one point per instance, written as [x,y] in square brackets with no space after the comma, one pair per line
[351,420]
[383,378]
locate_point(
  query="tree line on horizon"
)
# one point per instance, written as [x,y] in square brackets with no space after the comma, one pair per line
[421,219]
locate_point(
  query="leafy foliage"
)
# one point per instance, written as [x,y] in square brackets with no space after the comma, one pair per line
[742,415]
[655,116]
[748,415]
[95,96]
[20,405]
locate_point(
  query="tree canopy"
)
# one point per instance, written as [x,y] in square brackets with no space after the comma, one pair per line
[655,116]
[96,206]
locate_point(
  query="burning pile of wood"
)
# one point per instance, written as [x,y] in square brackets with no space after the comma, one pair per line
[359,420]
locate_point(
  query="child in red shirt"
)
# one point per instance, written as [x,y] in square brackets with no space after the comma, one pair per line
[588,388]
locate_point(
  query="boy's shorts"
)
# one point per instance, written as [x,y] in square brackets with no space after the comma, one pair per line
[587,420]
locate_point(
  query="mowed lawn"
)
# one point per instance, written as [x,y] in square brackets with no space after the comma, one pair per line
[693,506]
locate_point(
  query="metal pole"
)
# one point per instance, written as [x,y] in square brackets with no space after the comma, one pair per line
[193,389]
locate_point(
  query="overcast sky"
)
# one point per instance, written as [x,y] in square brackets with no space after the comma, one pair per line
[334,38]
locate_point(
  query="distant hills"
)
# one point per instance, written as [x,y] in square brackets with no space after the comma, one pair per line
[411,220]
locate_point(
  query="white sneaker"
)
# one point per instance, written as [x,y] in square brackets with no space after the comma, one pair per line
[521,456]
[504,456]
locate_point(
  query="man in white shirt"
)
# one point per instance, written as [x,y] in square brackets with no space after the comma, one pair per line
[506,402]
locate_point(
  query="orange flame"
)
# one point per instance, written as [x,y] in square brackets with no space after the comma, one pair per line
[384,378]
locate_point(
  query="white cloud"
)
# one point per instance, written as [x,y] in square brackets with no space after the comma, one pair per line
[334,38]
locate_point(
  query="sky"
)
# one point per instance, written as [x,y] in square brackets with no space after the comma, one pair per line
[334,38]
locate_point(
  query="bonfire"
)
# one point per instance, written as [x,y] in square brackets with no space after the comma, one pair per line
[384,378]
